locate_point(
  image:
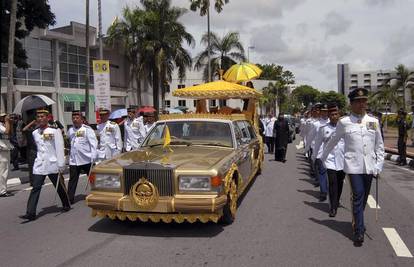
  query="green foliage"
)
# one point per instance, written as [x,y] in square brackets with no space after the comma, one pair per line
[332,97]
[203,5]
[403,80]
[305,94]
[224,52]
[275,73]
[30,14]
[392,120]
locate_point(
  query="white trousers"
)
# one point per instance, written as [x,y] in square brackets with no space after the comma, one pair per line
[4,170]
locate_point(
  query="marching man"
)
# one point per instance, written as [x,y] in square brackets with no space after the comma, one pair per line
[134,130]
[364,155]
[110,141]
[83,145]
[50,161]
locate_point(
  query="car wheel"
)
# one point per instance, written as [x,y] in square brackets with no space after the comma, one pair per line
[230,209]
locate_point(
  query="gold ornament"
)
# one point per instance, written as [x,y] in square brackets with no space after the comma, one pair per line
[145,194]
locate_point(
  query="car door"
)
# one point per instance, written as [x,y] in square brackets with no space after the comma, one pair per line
[244,162]
[254,147]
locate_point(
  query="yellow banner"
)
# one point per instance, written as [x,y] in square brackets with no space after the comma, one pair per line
[100,66]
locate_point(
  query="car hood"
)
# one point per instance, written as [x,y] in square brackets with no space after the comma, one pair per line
[182,157]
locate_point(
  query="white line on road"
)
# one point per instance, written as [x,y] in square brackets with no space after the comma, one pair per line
[396,242]
[13,181]
[372,203]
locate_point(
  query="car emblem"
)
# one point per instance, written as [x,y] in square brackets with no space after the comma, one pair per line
[145,194]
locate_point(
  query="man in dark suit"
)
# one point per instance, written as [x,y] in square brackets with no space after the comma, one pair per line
[281,135]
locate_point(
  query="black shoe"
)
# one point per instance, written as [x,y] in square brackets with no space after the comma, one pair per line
[7,194]
[283,160]
[403,163]
[66,209]
[29,217]
[322,198]
[316,184]
[358,240]
[332,213]
[15,169]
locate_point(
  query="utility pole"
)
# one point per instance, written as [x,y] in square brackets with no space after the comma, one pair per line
[248,52]
[100,29]
[10,59]
[208,43]
[87,63]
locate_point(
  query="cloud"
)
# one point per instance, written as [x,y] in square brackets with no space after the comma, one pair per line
[335,24]
[399,47]
[379,2]
[341,51]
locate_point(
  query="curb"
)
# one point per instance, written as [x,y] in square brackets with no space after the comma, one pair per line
[394,158]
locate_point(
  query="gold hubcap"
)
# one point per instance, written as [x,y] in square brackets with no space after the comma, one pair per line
[233,198]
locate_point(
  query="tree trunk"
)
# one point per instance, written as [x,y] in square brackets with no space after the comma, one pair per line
[10,60]
[155,89]
[407,98]
[138,81]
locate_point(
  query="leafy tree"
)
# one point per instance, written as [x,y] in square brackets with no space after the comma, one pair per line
[305,94]
[332,97]
[204,7]
[225,52]
[403,80]
[130,33]
[385,98]
[30,14]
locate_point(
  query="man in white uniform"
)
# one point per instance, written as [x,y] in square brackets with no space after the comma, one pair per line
[334,163]
[50,161]
[110,140]
[83,145]
[134,130]
[5,147]
[364,155]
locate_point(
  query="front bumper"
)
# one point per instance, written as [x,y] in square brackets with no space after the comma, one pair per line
[178,208]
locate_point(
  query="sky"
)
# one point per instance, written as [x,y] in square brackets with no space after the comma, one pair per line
[307,37]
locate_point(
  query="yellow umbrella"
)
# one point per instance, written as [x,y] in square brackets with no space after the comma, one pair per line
[217,90]
[242,72]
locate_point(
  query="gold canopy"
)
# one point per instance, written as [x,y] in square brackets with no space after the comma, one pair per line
[217,90]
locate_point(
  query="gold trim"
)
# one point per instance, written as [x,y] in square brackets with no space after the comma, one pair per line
[144,194]
[173,204]
[203,116]
[213,204]
[154,217]
[228,177]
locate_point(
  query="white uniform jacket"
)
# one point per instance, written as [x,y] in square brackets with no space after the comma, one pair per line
[148,128]
[50,151]
[335,159]
[110,141]
[83,145]
[317,138]
[363,145]
[134,133]
[311,134]
[269,127]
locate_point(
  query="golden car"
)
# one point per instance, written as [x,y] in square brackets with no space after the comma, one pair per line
[190,167]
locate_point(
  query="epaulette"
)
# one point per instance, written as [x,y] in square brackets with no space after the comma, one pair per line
[343,117]
[52,126]
[112,122]
[87,126]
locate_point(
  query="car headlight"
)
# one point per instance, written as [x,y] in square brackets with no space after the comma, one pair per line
[107,181]
[194,183]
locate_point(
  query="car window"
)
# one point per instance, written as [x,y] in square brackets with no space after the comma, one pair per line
[192,133]
[244,131]
[250,129]
[238,134]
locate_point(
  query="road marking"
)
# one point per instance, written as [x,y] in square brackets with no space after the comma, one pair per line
[13,181]
[300,145]
[396,242]
[372,203]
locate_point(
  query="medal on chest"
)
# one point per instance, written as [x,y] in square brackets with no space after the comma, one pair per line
[80,133]
[109,130]
[371,125]
[47,136]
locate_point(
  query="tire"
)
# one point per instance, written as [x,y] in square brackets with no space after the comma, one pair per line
[230,209]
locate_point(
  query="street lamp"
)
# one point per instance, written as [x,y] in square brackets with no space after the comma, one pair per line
[248,52]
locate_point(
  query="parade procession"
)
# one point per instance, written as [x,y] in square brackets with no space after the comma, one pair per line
[142,135]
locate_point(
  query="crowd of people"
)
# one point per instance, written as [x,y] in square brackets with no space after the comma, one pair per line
[44,151]
[276,135]
[337,146]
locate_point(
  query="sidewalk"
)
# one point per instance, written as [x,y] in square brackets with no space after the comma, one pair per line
[391,140]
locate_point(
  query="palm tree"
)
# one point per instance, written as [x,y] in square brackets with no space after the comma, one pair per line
[204,6]
[276,93]
[162,48]
[404,81]
[225,52]
[386,95]
[10,60]
[129,31]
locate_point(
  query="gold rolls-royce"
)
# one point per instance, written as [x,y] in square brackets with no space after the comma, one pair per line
[190,167]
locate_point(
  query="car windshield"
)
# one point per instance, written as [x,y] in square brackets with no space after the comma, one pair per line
[191,133]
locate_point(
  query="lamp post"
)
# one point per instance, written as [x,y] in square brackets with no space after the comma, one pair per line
[248,52]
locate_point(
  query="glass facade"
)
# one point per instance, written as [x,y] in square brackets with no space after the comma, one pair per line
[72,65]
[40,60]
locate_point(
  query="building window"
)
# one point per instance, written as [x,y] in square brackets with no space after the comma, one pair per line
[73,66]
[82,106]
[166,88]
[195,103]
[367,75]
[180,86]
[223,102]
[181,103]
[167,103]
[68,106]
[212,102]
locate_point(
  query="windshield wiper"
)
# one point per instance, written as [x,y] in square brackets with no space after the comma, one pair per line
[212,144]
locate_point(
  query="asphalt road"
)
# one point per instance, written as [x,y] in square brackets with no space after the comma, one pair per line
[280,222]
